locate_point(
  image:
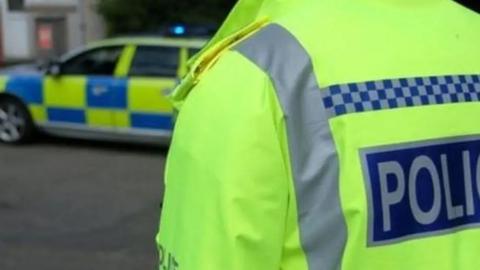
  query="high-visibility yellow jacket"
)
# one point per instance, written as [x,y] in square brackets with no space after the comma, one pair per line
[328,135]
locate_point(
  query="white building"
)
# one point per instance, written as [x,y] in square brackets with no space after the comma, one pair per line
[39,29]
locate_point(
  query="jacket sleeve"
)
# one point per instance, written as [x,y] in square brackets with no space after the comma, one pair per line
[226,197]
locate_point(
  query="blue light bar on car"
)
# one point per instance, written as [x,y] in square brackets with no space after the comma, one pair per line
[179,30]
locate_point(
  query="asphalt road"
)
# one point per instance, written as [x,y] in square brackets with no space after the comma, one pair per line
[74,205]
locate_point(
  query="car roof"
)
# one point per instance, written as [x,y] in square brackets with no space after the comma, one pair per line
[155,41]
[195,43]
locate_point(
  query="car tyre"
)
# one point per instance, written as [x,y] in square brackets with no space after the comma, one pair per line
[16,125]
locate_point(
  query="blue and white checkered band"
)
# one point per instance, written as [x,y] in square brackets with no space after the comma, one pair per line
[400,93]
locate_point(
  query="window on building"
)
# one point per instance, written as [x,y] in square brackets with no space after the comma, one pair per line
[16,5]
[95,62]
[155,61]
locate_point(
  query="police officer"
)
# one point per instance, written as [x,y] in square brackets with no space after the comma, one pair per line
[328,135]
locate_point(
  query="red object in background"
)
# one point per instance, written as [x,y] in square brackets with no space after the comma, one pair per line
[1,45]
[45,37]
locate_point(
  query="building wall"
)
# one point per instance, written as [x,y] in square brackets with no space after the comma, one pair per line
[94,25]
[19,37]
[50,3]
[74,30]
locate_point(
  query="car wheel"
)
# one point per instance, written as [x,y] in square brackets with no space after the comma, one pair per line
[16,126]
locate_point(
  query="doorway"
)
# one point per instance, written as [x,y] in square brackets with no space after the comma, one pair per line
[51,37]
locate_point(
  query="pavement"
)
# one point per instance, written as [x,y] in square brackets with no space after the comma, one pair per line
[76,205]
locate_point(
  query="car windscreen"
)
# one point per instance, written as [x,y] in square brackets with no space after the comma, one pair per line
[100,61]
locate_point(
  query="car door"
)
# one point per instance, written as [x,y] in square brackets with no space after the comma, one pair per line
[153,75]
[85,92]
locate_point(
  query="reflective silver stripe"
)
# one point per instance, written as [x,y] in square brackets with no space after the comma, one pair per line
[313,154]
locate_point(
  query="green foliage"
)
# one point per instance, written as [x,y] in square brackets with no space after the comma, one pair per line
[125,16]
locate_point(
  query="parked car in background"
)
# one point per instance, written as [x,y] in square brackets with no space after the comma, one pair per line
[113,90]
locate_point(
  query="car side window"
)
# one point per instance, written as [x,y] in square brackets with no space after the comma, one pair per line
[155,61]
[193,51]
[101,61]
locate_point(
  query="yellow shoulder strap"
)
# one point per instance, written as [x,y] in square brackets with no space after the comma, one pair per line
[208,58]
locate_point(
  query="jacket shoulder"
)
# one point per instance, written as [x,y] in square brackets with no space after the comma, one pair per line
[201,64]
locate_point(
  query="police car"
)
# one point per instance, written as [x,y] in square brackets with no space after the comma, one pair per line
[114,89]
